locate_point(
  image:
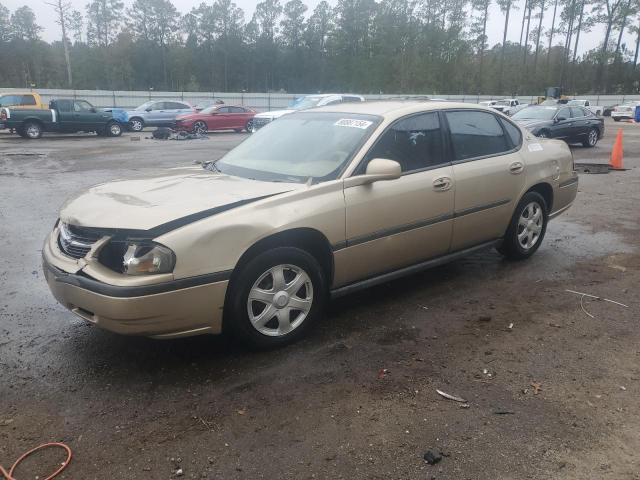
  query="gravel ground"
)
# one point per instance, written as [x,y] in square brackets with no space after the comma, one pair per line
[326,407]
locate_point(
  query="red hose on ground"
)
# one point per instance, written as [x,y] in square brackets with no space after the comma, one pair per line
[9,475]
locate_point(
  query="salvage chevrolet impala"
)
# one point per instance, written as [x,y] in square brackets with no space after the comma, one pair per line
[313,206]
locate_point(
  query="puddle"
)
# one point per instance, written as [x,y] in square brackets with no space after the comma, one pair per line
[580,241]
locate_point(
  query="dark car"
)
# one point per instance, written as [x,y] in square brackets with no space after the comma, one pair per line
[572,124]
[63,116]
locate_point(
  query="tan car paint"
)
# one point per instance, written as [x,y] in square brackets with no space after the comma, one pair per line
[385,212]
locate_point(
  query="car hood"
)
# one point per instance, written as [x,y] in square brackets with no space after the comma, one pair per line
[191,116]
[185,194]
[275,113]
[531,123]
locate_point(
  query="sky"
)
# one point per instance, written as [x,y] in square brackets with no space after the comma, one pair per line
[495,25]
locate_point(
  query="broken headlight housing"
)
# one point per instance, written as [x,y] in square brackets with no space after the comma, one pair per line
[138,257]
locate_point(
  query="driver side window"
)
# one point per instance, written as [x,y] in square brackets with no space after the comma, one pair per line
[81,106]
[564,113]
[414,142]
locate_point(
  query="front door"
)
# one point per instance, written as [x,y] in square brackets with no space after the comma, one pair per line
[397,223]
[489,174]
[563,125]
[88,118]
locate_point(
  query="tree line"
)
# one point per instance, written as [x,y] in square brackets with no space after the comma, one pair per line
[364,46]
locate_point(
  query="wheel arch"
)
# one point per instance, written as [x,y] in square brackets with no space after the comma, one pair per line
[310,240]
[546,190]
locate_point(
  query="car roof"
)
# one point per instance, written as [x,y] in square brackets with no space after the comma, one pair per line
[397,108]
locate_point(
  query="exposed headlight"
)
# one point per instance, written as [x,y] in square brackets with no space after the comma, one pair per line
[132,257]
[147,258]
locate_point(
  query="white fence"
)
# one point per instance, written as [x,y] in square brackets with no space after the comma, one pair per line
[262,101]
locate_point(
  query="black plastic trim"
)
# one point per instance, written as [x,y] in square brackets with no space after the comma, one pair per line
[418,267]
[412,226]
[566,183]
[95,286]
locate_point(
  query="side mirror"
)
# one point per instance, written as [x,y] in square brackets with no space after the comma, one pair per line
[559,119]
[93,110]
[148,109]
[378,169]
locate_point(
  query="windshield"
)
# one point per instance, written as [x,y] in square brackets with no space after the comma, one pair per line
[145,105]
[299,146]
[304,103]
[536,113]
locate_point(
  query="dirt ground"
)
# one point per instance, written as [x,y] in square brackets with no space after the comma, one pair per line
[481,328]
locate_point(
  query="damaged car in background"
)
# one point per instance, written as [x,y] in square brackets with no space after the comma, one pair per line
[316,205]
[303,103]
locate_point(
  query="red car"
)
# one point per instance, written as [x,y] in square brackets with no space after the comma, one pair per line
[217,117]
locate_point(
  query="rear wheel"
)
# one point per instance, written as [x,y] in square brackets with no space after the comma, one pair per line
[113,129]
[20,131]
[527,227]
[276,297]
[592,138]
[32,130]
[616,119]
[250,127]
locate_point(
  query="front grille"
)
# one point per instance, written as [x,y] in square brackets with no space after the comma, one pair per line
[76,242]
[260,122]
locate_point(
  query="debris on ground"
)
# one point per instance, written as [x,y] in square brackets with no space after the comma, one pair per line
[597,298]
[432,456]
[165,133]
[510,327]
[382,373]
[484,318]
[503,412]
[537,387]
[451,397]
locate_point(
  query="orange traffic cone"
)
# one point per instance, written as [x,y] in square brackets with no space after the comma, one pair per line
[615,163]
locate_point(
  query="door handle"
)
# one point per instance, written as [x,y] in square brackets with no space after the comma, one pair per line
[442,184]
[516,167]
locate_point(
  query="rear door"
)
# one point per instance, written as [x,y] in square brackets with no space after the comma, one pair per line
[239,117]
[488,172]
[171,110]
[396,223]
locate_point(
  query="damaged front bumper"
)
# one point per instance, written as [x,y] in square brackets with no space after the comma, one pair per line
[165,309]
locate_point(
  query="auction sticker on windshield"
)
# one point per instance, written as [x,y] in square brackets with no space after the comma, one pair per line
[352,122]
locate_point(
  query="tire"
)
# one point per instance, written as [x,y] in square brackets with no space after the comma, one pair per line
[616,119]
[113,129]
[32,130]
[520,229]
[592,138]
[543,134]
[283,324]
[200,127]
[20,131]
[249,126]
[136,124]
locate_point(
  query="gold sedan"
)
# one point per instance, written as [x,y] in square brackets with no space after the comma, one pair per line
[315,205]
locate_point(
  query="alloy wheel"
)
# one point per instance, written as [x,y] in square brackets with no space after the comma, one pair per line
[280,300]
[593,138]
[32,131]
[200,127]
[530,225]
[136,125]
[115,129]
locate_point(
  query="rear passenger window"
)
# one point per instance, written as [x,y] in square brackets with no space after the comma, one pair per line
[28,100]
[414,142]
[224,110]
[237,110]
[513,132]
[476,134]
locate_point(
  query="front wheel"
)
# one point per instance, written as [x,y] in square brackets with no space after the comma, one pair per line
[592,138]
[276,297]
[526,229]
[543,134]
[200,127]
[616,119]
[32,130]
[250,126]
